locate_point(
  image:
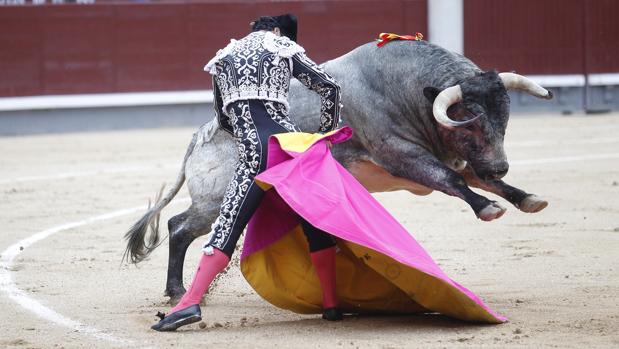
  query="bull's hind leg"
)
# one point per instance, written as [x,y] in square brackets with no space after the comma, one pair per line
[184,229]
[524,201]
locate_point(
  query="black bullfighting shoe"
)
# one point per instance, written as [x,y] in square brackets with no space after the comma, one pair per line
[177,319]
[332,314]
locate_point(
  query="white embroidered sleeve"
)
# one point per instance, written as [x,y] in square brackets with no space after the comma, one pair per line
[316,79]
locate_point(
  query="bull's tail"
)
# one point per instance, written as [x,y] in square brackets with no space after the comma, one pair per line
[138,246]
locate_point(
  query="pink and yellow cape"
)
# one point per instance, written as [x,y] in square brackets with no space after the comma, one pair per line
[380,266]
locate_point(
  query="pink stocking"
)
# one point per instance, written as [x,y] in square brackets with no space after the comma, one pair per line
[209,267]
[324,263]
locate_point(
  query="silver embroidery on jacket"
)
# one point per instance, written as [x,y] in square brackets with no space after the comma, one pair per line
[252,68]
[260,66]
[314,77]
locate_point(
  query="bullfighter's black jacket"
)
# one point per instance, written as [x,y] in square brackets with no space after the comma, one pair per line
[260,66]
[251,79]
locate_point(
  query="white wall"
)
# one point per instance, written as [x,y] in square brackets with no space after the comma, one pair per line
[446,24]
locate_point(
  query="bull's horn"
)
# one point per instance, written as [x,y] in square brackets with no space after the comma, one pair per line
[518,82]
[444,100]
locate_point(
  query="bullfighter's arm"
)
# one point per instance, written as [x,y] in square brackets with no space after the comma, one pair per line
[316,79]
[217,105]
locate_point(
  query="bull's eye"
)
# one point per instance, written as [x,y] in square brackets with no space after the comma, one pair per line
[472,111]
[473,146]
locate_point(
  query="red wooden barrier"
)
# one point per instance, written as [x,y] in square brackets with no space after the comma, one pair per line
[531,37]
[119,47]
[602,33]
[543,36]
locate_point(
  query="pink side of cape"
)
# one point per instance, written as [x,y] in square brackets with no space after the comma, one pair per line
[314,185]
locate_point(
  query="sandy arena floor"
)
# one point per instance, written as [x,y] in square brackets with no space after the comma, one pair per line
[555,274]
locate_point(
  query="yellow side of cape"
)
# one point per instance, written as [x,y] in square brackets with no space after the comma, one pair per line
[367,282]
[283,274]
[300,141]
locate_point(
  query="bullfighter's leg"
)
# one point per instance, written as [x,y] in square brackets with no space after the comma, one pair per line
[240,201]
[522,200]
[322,253]
[424,168]
[184,229]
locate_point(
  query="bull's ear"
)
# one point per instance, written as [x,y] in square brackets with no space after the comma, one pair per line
[431,93]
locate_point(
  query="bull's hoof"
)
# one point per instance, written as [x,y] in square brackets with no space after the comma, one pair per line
[532,204]
[175,294]
[491,212]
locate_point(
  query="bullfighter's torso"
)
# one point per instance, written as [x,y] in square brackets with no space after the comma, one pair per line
[257,66]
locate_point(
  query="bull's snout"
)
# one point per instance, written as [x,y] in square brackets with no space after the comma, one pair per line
[501,173]
[495,172]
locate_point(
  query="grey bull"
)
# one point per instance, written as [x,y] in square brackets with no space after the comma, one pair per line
[423,118]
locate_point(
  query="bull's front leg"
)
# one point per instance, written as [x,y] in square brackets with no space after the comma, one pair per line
[423,167]
[524,201]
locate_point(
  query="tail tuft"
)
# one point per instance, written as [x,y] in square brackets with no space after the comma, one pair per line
[138,248]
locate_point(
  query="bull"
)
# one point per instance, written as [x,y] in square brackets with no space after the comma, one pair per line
[424,119]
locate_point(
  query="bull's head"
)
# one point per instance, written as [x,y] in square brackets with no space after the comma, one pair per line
[473,116]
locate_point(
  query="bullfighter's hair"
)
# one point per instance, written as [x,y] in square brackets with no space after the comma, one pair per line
[264,23]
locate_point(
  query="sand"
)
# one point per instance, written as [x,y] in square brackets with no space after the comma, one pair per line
[555,274]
